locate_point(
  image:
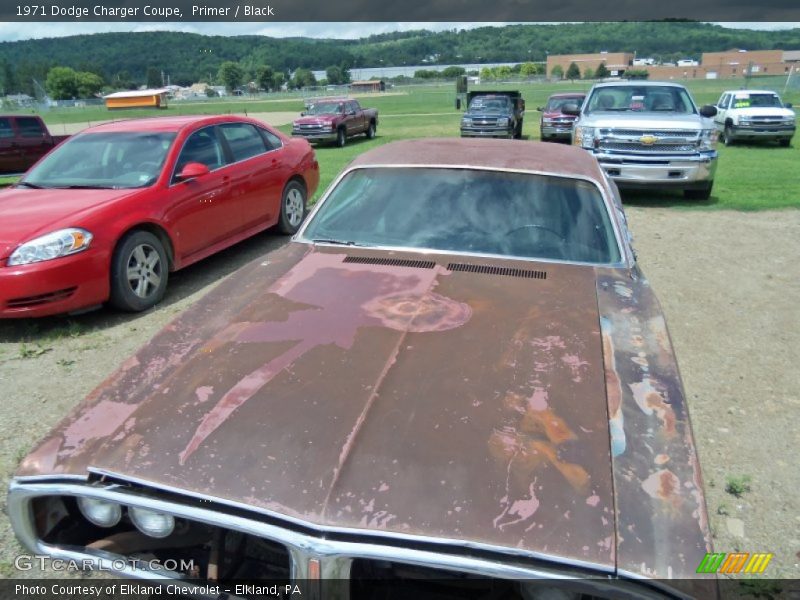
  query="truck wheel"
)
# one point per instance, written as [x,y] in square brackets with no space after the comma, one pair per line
[518,130]
[341,137]
[293,208]
[139,272]
[703,193]
[785,142]
[371,131]
[727,136]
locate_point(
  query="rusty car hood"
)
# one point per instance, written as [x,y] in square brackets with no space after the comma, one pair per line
[408,398]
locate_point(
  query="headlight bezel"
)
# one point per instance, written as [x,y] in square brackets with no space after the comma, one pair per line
[87,504]
[43,248]
[708,139]
[584,136]
[138,514]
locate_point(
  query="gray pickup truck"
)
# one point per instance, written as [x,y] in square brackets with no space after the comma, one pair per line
[649,135]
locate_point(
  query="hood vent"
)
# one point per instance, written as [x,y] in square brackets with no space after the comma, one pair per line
[391,262]
[492,270]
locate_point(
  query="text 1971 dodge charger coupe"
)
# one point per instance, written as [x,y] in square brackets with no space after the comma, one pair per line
[110,212]
[455,369]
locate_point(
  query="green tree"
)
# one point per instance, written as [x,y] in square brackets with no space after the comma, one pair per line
[588,73]
[486,73]
[122,80]
[557,72]
[303,78]
[9,77]
[265,77]
[453,72]
[637,74]
[153,78]
[573,72]
[334,75]
[231,74]
[278,80]
[88,84]
[529,69]
[602,71]
[61,83]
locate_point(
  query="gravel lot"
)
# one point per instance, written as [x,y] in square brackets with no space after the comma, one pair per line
[730,286]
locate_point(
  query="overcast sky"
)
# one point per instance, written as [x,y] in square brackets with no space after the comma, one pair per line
[13,31]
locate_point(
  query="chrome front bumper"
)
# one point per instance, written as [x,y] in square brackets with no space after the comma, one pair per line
[659,170]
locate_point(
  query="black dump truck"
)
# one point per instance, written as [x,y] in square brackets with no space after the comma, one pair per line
[493,114]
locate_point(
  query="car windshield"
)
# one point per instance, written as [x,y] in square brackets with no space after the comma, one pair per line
[489,105]
[116,160]
[556,104]
[633,98]
[467,210]
[757,100]
[325,108]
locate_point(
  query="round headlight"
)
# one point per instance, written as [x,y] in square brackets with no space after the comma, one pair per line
[100,512]
[152,523]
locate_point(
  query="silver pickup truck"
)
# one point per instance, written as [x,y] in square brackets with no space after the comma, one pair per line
[649,135]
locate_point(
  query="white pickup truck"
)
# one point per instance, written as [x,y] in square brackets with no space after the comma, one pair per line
[754,115]
[649,135]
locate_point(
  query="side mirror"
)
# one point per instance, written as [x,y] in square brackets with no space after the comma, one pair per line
[192,170]
[571,109]
[709,110]
[350,113]
[788,105]
[540,108]
[303,114]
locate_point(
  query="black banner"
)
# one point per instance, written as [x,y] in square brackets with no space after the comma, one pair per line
[408,10]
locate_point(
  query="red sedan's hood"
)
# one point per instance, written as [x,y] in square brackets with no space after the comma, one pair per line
[400,398]
[26,213]
[315,120]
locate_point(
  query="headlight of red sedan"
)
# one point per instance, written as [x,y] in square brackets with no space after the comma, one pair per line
[53,245]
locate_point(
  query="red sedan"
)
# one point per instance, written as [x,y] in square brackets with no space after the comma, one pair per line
[109,213]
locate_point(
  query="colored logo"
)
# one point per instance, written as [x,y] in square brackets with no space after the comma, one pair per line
[734,562]
[648,140]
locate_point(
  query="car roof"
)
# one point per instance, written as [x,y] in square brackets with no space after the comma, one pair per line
[638,83]
[171,123]
[568,95]
[562,160]
[748,92]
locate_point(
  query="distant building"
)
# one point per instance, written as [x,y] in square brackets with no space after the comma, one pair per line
[616,62]
[368,86]
[137,99]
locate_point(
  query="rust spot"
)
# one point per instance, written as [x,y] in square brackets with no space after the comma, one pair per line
[664,485]
[547,423]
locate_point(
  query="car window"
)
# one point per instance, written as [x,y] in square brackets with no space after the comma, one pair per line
[201,147]
[635,98]
[273,141]
[469,210]
[554,104]
[30,128]
[6,130]
[243,140]
[723,101]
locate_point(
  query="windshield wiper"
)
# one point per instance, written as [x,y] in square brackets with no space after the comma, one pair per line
[88,187]
[30,185]
[337,242]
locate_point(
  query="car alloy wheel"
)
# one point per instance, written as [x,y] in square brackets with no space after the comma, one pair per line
[139,272]
[293,207]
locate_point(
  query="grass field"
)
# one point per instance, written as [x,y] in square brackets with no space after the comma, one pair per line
[749,177]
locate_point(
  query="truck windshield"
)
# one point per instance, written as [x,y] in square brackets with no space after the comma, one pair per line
[633,98]
[474,211]
[486,104]
[556,104]
[118,160]
[757,100]
[325,108]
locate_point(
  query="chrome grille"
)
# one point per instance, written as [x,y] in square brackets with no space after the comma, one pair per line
[685,133]
[662,141]
[633,147]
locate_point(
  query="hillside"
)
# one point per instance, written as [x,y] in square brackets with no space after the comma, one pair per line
[123,58]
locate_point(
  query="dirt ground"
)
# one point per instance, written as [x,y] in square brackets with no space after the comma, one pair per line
[729,283]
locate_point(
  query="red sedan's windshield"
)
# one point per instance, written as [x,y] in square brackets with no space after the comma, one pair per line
[104,160]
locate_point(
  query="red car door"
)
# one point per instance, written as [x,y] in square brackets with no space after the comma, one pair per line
[257,174]
[200,210]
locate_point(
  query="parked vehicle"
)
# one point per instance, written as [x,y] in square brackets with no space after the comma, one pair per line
[23,141]
[754,115]
[554,124]
[493,114]
[335,120]
[649,135]
[456,368]
[108,214]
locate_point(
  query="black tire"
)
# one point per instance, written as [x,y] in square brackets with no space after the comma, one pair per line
[371,131]
[293,208]
[703,193]
[341,137]
[785,142]
[727,138]
[139,272]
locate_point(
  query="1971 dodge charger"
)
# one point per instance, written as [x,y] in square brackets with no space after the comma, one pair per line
[455,370]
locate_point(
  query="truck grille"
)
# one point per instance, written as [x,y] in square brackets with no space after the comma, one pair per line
[304,129]
[484,121]
[644,142]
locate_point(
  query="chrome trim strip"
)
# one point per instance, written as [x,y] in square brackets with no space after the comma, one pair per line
[300,545]
[608,202]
